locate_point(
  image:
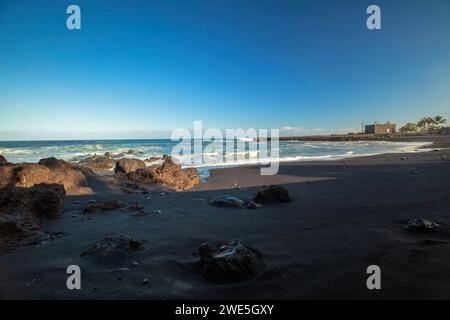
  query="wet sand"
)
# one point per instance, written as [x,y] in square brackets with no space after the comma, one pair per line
[346,215]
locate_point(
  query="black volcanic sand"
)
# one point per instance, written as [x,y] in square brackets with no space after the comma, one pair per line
[347,215]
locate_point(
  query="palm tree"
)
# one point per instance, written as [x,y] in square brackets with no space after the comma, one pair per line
[439,121]
[425,122]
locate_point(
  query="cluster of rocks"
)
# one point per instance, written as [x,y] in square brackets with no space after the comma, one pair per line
[169,173]
[31,192]
[107,161]
[231,262]
[49,170]
[271,194]
[22,210]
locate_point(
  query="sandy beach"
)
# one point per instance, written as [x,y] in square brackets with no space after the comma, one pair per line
[345,215]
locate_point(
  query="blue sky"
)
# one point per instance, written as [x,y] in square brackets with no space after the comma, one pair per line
[139,68]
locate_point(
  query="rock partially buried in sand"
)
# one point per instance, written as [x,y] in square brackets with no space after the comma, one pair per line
[233,262]
[273,194]
[104,206]
[421,225]
[126,165]
[227,201]
[114,246]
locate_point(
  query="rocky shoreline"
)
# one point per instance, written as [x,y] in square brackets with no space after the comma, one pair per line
[32,192]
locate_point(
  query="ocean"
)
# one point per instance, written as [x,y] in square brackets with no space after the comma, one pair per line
[76,150]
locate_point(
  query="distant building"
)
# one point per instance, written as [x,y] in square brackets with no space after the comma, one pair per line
[445,130]
[381,128]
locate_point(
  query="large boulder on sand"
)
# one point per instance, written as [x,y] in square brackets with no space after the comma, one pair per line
[169,173]
[49,171]
[273,194]
[43,200]
[22,209]
[233,262]
[126,165]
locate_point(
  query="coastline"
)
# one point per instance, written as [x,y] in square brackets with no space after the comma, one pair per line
[346,215]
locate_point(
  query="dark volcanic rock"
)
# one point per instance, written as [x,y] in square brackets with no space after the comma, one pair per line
[128,153]
[3,160]
[97,163]
[43,200]
[49,171]
[22,209]
[114,246]
[169,174]
[142,175]
[48,200]
[153,159]
[17,228]
[227,201]
[421,225]
[132,152]
[126,165]
[104,206]
[233,262]
[273,194]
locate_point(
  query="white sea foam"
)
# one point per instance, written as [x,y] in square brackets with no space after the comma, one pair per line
[287,150]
